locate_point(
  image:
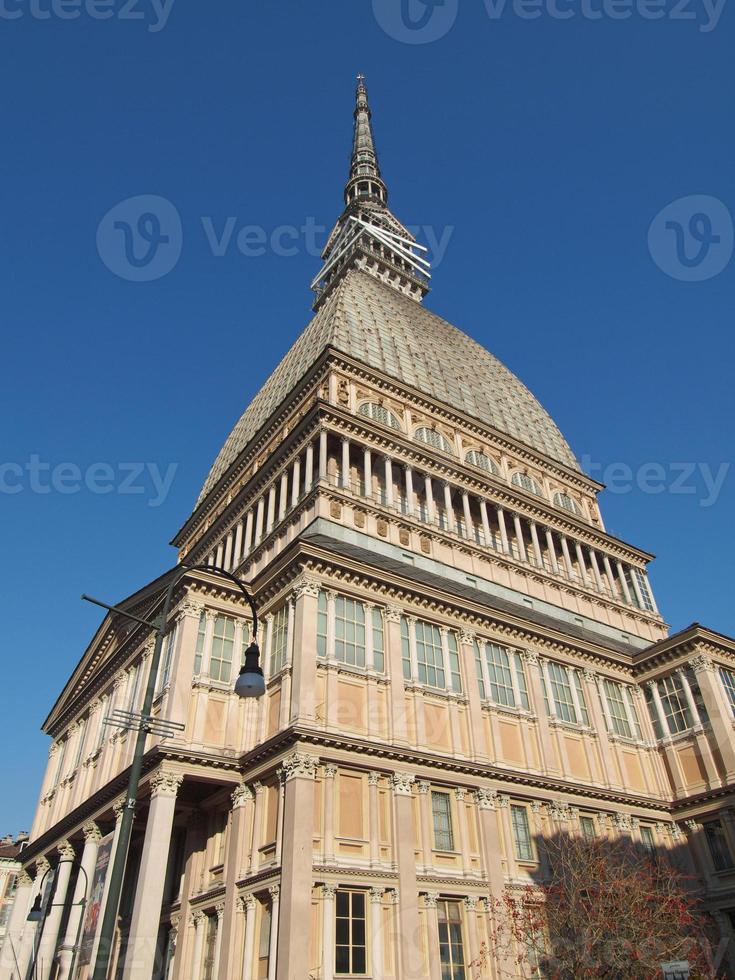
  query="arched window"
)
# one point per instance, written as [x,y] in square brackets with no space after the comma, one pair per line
[526,482]
[566,502]
[483,461]
[378,413]
[433,438]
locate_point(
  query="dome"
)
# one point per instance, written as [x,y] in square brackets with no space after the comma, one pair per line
[392,333]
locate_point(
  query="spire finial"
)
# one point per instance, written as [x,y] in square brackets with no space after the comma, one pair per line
[365,179]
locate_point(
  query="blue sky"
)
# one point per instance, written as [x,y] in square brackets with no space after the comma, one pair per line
[544,147]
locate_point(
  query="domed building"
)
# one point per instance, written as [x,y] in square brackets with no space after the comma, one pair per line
[459,661]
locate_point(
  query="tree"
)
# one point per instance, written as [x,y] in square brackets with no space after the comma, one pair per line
[603,909]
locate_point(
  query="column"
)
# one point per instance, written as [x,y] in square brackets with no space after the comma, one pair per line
[610,576]
[537,701]
[567,557]
[330,773]
[404,845]
[248,906]
[242,798]
[684,681]
[552,551]
[394,665]
[718,709]
[50,927]
[637,589]
[429,494]
[503,530]
[141,947]
[374,816]
[449,509]
[536,545]
[296,868]
[596,570]
[271,518]
[464,838]
[468,523]
[492,850]
[345,463]
[182,667]
[478,741]
[303,678]
[580,562]
[237,551]
[367,472]
[432,935]
[470,908]
[323,454]
[328,920]
[296,482]
[259,521]
[623,583]
[69,949]
[199,921]
[283,496]
[485,523]
[309,468]
[254,861]
[228,551]
[30,930]
[409,491]
[220,912]
[275,894]
[388,481]
[248,533]
[424,789]
[519,537]
[219,555]
[376,923]
[510,852]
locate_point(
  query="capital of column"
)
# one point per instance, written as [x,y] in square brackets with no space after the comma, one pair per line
[329,892]
[220,910]
[165,783]
[470,903]
[373,778]
[701,663]
[402,783]
[189,606]
[423,787]
[530,656]
[589,675]
[393,614]
[66,850]
[467,636]
[300,764]
[42,866]
[459,793]
[486,799]
[274,891]
[241,795]
[196,917]
[330,771]
[692,826]
[376,896]
[245,904]
[117,809]
[24,879]
[623,821]
[306,587]
[430,899]
[503,801]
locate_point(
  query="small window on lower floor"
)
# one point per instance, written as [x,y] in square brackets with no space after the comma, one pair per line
[719,849]
[350,951]
[521,833]
[451,947]
[587,826]
[647,839]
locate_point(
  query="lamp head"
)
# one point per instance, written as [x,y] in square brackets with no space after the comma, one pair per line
[251,683]
[36,914]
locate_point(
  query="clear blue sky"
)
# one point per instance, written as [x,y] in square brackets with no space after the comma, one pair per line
[547,145]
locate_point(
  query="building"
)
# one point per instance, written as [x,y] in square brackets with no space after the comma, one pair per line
[459,660]
[10,867]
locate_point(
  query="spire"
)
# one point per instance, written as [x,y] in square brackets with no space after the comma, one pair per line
[365,179]
[367,235]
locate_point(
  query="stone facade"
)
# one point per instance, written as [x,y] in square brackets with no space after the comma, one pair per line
[459,660]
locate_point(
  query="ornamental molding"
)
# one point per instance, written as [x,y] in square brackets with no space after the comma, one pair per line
[300,764]
[559,811]
[402,782]
[241,795]
[623,821]
[165,783]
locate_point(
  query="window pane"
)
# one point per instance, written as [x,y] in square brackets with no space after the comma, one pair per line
[349,628]
[442,814]
[429,654]
[521,833]
[279,641]
[616,706]
[405,649]
[561,692]
[499,675]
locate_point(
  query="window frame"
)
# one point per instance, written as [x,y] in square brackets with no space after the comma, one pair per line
[727,679]
[351,945]
[447,815]
[456,971]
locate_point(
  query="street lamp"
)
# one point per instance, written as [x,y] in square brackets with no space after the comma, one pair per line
[38,913]
[249,684]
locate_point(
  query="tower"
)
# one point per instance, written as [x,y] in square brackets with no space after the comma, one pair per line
[459,660]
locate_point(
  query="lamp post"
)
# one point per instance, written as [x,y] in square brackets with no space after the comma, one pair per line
[250,683]
[38,912]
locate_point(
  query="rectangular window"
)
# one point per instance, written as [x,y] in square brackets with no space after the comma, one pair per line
[630,700]
[478,671]
[717,842]
[647,839]
[521,833]
[429,654]
[168,659]
[696,695]
[676,709]
[102,726]
[653,713]
[80,742]
[616,706]
[350,949]
[500,675]
[210,943]
[223,641]
[279,641]
[453,651]
[451,947]
[561,692]
[349,631]
[441,811]
[199,651]
[321,625]
[378,641]
[645,589]
[264,940]
[728,681]
[587,826]
[405,649]
[580,697]
[522,686]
